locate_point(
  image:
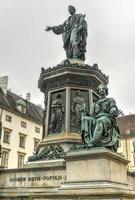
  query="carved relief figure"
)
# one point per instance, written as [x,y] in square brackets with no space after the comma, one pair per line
[74,34]
[78,109]
[56,119]
[100,129]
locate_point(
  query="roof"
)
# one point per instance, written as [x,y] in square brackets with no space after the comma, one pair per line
[127,124]
[33,112]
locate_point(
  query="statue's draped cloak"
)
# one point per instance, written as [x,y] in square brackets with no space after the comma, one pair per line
[74,33]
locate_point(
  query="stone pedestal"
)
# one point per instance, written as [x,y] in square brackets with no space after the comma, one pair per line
[95,174]
[98,165]
[70,90]
[57,172]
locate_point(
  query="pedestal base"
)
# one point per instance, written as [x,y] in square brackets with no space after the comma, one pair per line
[97,174]
[70,89]
[97,164]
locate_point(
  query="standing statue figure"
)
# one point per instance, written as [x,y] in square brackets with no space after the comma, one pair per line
[74,34]
[78,110]
[56,119]
[101,129]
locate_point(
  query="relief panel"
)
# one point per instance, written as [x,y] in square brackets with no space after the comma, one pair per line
[57,112]
[78,108]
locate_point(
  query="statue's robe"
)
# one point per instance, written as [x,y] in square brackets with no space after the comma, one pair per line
[74,34]
[56,116]
[101,128]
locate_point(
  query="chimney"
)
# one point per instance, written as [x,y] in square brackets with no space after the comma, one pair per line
[4,84]
[28,96]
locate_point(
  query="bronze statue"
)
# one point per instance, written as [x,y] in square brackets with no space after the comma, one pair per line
[101,129]
[74,34]
[56,119]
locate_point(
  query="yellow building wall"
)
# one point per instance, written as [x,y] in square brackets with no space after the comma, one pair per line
[29,131]
[126,149]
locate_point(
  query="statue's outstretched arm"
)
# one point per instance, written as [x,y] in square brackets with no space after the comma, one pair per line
[48,28]
[56,29]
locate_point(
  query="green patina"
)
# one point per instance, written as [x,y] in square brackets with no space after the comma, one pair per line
[100,129]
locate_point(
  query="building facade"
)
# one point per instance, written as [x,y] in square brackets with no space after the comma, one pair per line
[21,129]
[127,142]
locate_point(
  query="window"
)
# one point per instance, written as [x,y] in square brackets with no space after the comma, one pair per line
[23,124]
[4,159]
[21,105]
[22,141]
[20,160]
[8,118]
[37,130]
[36,142]
[6,137]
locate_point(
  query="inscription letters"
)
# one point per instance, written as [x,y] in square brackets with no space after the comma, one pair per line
[35,178]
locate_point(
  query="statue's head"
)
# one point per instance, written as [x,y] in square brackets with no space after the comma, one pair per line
[78,93]
[102,89]
[71,9]
[58,96]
